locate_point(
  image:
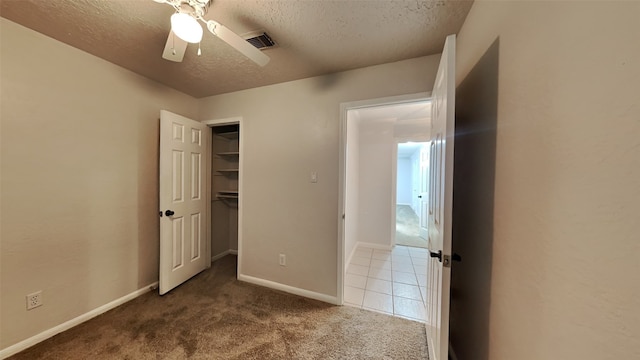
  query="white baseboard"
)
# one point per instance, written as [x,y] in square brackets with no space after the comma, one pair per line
[374,246]
[220,256]
[27,343]
[289,289]
[350,257]
[223,254]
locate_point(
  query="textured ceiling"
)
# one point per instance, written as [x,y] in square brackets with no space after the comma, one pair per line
[314,37]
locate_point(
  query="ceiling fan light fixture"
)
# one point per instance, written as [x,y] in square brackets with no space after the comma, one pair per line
[186,27]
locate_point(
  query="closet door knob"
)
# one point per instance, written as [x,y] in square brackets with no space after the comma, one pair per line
[169,212]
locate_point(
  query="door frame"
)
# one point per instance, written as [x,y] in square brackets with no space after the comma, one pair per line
[236,120]
[395,174]
[394,191]
[424,180]
[342,172]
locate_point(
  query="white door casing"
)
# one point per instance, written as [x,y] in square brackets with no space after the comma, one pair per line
[423,194]
[184,156]
[441,203]
[415,182]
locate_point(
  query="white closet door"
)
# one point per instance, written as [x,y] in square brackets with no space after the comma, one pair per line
[183,221]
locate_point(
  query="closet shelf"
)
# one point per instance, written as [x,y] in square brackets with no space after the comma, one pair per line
[223,196]
[229,135]
[228,153]
[227,170]
[227,194]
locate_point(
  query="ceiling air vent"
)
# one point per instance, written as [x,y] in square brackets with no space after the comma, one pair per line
[260,40]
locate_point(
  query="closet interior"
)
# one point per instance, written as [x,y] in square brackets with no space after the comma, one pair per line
[225,146]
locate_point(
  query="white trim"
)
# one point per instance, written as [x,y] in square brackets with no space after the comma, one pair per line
[207,199]
[221,255]
[394,192]
[241,146]
[27,343]
[289,289]
[353,252]
[342,208]
[342,171]
[235,120]
[225,121]
[410,205]
[374,245]
[391,100]
[367,245]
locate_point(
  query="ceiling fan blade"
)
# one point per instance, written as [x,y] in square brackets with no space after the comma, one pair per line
[174,49]
[237,42]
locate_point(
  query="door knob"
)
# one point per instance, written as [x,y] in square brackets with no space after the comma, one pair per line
[419,196]
[436,255]
[169,213]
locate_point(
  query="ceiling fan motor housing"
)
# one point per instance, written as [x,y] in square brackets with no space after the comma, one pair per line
[195,8]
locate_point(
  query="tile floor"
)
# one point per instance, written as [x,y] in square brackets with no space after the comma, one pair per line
[391,282]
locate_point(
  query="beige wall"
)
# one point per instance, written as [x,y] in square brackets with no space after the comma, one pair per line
[559,275]
[376,178]
[292,129]
[79,180]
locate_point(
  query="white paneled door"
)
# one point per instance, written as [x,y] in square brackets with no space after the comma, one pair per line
[184,145]
[441,204]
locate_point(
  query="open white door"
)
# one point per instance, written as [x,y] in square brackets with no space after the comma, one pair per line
[183,232]
[441,204]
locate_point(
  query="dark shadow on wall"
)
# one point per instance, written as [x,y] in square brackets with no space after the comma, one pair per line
[473,206]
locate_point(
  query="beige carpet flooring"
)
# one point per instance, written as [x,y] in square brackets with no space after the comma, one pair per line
[214,316]
[408,227]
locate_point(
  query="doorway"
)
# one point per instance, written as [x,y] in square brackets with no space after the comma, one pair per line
[225,172]
[375,273]
[200,195]
[412,184]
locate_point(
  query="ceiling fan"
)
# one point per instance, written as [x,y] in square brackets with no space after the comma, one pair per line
[186,29]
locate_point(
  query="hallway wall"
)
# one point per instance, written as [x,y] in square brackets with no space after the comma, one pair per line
[376,178]
[404,179]
[554,271]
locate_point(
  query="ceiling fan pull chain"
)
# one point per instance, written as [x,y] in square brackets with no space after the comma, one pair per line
[173,43]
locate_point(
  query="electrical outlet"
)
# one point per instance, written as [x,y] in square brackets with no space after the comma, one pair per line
[283,260]
[34,300]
